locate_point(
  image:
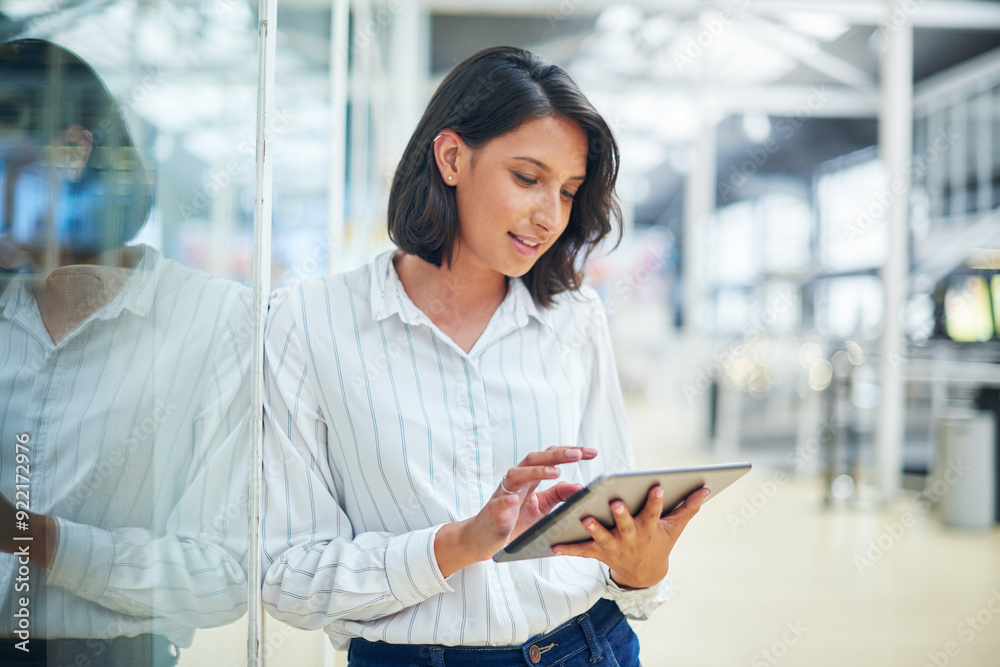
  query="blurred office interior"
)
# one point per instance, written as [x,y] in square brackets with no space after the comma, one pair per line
[808,279]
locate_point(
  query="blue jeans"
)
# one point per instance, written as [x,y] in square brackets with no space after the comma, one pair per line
[601,637]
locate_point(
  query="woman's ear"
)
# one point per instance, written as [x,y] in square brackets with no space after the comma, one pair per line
[448,148]
[77,146]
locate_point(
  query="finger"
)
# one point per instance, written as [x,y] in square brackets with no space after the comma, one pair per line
[624,522]
[597,532]
[588,452]
[694,501]
[581,549]
[653,509]
[539,466]
[556,455]
[566,490]
[519,477]
[679,518]
[560,492]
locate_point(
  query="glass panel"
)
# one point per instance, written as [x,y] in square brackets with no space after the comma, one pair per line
[735,240]
[852,308]
[302,146]
[787,225]
[307,206]
[126,202]
[853,202]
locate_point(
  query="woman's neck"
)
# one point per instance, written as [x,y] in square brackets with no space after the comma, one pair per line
[69,294]
[459,300]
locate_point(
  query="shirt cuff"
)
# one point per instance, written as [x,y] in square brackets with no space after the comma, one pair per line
[634,597]
[412,567]
[83,560]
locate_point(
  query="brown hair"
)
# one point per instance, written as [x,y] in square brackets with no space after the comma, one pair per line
[489,94]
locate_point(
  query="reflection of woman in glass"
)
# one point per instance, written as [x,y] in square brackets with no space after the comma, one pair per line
[421,409]
[123,393]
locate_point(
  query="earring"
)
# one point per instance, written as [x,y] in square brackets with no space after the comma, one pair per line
[451,178]
[436,138]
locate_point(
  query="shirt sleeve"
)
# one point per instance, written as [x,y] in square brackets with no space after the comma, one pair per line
[316,568]
[638,603]
[604,426]
[192,573]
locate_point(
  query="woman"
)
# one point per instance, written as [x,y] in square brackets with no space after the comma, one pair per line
[420,409]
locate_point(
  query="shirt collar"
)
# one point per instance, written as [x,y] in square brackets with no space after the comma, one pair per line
[385,288]
[136,294]
[525,305]
[389,298]
[11,297]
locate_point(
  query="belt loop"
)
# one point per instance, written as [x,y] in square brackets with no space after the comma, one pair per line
[595,646]
[437,657]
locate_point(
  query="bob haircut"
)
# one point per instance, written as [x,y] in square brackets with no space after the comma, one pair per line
[489,94]
[45,89]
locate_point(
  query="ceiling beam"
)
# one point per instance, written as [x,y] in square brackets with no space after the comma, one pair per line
[807,51]
[797,101]
[941,14]
[951,14]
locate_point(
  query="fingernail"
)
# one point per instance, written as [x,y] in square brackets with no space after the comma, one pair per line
[658,492]
[590,451]
[551,471]
[557,552]
[617,506]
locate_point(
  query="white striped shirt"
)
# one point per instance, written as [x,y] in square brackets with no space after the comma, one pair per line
[138,443]
[379,429]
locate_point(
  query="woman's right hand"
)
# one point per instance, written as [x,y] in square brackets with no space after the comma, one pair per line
[513,508]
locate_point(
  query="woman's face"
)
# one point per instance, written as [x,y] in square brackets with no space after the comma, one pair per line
[34,178]
[515,193]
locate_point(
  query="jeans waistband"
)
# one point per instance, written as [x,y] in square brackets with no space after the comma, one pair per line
[580,633]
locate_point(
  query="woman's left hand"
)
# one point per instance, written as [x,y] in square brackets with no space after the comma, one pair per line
[638,548]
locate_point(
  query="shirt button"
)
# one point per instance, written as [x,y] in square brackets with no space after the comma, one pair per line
[534,653]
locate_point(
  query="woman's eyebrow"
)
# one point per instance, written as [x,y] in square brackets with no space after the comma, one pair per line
[546,167]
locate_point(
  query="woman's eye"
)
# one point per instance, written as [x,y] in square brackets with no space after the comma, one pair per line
[571,195]
[524,179]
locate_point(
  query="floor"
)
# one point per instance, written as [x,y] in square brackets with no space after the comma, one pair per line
[765,576]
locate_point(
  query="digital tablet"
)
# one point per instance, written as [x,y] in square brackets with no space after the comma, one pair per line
[563,524]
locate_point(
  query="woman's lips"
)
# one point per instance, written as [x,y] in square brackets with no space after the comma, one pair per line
[522,247]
